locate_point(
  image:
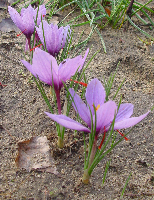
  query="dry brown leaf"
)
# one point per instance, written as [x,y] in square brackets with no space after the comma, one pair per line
[34,154]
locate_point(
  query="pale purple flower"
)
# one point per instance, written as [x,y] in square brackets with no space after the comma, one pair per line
[55,38]
[105,112]
[45,67]
[26,20]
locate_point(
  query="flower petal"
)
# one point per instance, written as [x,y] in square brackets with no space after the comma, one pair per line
[70,66]
[95,94]
[22,11]
[40,32]
[65,34]
[124,112]
[126,123]
[29,67]
[43,68]
[105,115]
[55,37]
[16,18]
[81,107]
[54,44]
[28,21]
[67,122]
[41,12]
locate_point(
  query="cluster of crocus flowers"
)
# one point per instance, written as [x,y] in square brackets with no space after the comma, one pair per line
[44,65]
[26,20]
[105,114]
[53,37]
[100,116]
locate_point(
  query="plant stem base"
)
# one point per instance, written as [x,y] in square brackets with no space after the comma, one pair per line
[60,142]
[86,177]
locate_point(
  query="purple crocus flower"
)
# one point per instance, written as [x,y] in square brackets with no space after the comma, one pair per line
[26,21]
[55,38]
[105,112]
[46,68]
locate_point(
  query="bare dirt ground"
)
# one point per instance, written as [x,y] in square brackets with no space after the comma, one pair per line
[22,116]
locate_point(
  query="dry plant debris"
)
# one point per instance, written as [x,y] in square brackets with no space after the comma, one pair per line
[34,154]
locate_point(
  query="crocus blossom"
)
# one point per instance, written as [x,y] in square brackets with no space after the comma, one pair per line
[55,38]
[95,95]
[26,20]
[45,67]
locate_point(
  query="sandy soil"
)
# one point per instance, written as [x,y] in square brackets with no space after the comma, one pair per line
[22,116]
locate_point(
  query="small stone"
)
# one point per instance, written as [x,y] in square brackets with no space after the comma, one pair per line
[62,171]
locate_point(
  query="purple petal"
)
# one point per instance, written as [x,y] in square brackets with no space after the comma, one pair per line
[105,115]
[126,123]
[49,34]
[67,122]
[41,12]
[59,37]
[16,18]
[124,112]
[28,21]
[42,67]
[29,67]
[54,42]
[65,34]
[95,94]
[81,107]
[69,67]
[46,28]
[55,38]
[22,11]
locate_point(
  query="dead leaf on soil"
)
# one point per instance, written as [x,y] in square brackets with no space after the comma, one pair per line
[7,25]
[34,154]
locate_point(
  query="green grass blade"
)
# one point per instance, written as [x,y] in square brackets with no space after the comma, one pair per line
[143,32]
[119,89]
[122,193]
[145,7]
[106,169]
[142,6]
[101,38]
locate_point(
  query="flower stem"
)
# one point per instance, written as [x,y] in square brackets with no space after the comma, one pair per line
[60,142]
[29,43]
[58,101]
[86,176]
[93,151]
